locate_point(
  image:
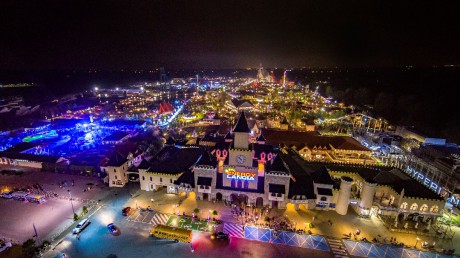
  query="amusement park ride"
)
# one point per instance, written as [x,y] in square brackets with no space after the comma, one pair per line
[358,122]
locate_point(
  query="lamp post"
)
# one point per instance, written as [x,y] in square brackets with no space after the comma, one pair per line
[70,195]
[136,203]
[418,239]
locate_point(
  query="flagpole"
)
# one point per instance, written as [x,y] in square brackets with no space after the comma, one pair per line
[36,233]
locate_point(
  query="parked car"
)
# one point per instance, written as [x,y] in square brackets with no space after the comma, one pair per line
[112,228]
[80,226]
[219,235]
[60,255]
[126,211]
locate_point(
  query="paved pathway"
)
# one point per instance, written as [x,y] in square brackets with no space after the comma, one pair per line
[160,219]
[234,230]
[337,247]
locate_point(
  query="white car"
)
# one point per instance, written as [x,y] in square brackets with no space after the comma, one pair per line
[82,225]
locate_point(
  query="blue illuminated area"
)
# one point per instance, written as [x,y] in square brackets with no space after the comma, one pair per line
[79,141]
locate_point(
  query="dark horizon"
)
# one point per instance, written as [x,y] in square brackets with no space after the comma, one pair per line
[114,35]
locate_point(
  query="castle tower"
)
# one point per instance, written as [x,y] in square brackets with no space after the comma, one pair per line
[241,132]
[343,200]
[367,195]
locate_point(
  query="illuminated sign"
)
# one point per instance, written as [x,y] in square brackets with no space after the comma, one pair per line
[232,174]
[422,178]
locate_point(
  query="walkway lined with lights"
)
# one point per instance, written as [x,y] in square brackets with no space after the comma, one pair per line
[277,236]
[286,238]
[365,249]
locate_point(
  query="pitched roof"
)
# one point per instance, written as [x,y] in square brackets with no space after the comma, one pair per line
[174,159]
[321,176]
[261,138]
[242,125]
[312,139]
[276,164]
[30,157]
[144,164]
[207,159]
[116,160]
[228,136]
[186,178]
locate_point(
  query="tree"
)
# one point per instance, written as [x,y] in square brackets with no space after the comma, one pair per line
[196,210]
[28,243]
[266,219]
[214,213]
[75,217]
[85,209]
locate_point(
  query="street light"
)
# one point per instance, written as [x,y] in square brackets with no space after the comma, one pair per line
[136,203]
[418,239]
[70,195]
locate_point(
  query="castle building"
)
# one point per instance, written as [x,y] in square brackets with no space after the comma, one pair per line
[259,174]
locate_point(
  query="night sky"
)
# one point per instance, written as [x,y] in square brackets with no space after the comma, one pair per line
[226,34]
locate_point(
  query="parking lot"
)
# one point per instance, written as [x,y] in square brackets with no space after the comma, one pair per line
[141,216]
[17,218]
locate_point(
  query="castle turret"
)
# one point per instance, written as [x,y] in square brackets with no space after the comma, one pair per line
[241,133]
[367,195]
[343,200]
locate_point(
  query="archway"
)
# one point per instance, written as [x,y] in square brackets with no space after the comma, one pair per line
[259,202]
[218,197]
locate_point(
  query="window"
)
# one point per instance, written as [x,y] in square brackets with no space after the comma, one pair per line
[246,184]
[116,177]
[404,205]
[434,208]
[170,180]
[161,179]
[232,184]
[414,207]
[114,170]
[150,179]
[323,198]
[143,178]
[423,208]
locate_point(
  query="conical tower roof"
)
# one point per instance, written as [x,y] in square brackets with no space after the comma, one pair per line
[242,125]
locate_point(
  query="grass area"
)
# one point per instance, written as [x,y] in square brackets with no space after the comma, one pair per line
[16,251]
[190,223]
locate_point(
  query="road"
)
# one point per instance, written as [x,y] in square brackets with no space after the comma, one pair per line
[135,241]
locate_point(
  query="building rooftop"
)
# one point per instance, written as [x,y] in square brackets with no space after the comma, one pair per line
[29,157]
[311,139]
[116,160]
[175,159]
